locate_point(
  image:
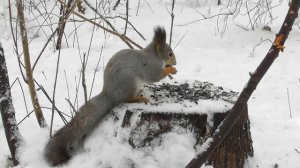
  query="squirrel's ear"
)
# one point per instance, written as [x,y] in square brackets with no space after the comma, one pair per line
[159,40]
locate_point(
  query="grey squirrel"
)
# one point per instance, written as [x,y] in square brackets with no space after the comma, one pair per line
[124,75]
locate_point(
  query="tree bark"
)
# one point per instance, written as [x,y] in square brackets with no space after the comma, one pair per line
[31,86]
[255,78]
[12,133]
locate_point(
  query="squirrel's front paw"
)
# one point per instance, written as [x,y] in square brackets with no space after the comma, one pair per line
[170,70]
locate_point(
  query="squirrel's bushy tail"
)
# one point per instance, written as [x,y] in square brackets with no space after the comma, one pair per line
[66,141]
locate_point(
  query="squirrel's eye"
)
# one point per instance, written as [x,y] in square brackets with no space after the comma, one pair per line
[170,54]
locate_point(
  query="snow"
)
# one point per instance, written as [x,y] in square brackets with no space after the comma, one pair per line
[205,53]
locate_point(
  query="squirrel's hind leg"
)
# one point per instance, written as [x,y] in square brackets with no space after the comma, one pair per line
[137,99]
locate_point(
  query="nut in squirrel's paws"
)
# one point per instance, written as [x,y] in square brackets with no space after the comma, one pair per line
[170,70]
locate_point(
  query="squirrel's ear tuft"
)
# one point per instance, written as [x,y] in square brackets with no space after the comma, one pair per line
[159,40]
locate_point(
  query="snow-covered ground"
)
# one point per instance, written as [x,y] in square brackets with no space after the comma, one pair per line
[204,53]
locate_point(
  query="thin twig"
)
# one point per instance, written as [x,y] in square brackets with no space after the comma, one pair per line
[250,21]
[90,44]
[88,54]
[99,14]
[77,90]
[206,17]
[172,22]
[23,94]
[54,91]
[43,49]
[95,71]
[71,105]
[60,113]
[44,5]
[138,8]
[127,14]
[180,39]
[42,24]
[256,45]
[77,39]
[242,27]
[15,42]
[149,6]
[132,26]
[83,81]
[288,96]
[40,27]
[68,91]
[28,115]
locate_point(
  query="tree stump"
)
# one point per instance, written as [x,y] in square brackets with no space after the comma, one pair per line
[191,116]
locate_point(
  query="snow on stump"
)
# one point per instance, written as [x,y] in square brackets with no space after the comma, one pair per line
[194,107]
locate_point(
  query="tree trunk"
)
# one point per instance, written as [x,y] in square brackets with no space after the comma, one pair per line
[12,133]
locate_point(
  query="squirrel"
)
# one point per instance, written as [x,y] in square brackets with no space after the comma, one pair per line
[124,75]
